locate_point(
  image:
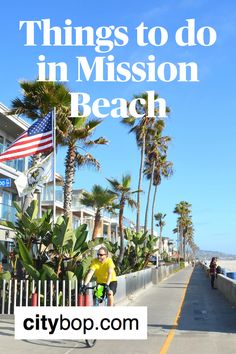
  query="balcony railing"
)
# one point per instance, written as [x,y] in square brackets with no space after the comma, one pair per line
[48,197]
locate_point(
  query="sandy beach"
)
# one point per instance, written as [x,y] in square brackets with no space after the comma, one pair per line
[227,264]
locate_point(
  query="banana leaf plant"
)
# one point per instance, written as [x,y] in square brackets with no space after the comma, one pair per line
[49,251]
[137,252]
[72,252]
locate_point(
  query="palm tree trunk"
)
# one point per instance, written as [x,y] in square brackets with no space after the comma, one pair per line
[184,247]
[153,209]
[70,172]
[181,242]
[160,242]
[148,198]
[96,225]
[122,246]
[140,184]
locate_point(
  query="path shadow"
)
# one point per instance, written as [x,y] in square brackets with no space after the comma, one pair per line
[205,309]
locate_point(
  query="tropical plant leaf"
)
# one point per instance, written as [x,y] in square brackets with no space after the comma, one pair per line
[5,276]
[96,242]
[4,250]
[17,207]
[83,267]
[24,253]
[80,235]
[49,272]
[32,210]
[8,224]
[47,239]
[63,234]
[34,273]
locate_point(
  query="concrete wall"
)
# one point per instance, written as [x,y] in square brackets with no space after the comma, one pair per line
[225,285]
[160,273]
[130,284]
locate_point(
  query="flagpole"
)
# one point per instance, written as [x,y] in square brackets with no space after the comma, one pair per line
[54,166]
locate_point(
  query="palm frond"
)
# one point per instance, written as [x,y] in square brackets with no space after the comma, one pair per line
[99,141]
[87,160]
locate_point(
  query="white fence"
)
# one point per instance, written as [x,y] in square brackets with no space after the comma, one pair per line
[41,293]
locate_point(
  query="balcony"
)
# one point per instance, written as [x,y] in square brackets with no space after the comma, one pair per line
[47,196]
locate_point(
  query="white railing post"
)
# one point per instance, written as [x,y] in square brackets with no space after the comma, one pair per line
[63,292]
[57,292]
[3,295]
[39,291]
[51,292]
[27,293]
[9,297]
[69,292]
[45,293]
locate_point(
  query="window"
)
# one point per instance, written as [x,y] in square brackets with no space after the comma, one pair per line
[17,164]
[1,144]
[6,198]
[10,162]
[6,210]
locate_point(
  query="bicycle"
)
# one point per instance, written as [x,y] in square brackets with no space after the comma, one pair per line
[99,297]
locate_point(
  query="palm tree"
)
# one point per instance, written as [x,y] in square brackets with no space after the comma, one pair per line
[41,97]
[188,231]
[164,169]
[100,199]
[183,209]
[139,127]
[77,139]
[161,223]
[123,193]
[156,146]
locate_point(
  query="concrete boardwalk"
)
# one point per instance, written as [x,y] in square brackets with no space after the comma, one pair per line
[207,323]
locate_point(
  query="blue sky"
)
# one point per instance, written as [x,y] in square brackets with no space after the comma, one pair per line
[202,120]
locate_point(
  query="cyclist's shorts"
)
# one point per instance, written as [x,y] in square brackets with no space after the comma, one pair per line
[112,286]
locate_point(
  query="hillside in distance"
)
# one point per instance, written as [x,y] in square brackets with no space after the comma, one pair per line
[202,254]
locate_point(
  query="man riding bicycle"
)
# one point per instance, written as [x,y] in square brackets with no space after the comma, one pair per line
[104,270]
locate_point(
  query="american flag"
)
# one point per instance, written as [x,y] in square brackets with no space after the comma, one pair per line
[38,138]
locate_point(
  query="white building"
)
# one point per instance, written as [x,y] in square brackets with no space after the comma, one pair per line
[10,128]
[80,213]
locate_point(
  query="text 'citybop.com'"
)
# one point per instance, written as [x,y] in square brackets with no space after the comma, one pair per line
[81,323]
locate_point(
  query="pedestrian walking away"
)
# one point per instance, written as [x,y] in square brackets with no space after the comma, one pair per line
[213,273]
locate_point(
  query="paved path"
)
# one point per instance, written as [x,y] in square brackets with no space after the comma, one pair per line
[207,323]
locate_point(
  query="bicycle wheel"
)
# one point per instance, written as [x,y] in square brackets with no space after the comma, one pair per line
[90,342]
